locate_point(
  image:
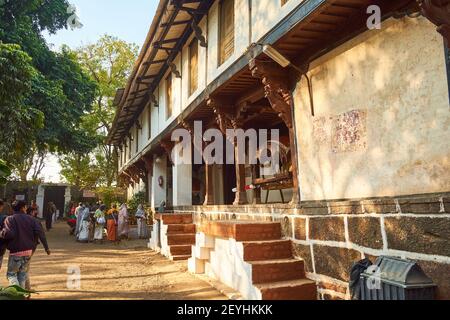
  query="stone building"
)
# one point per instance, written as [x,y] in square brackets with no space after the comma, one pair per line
[363,113]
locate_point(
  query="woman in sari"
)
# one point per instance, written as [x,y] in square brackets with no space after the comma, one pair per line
[111,223]
[141,222]
[123,227]
[99,223]
[85,217]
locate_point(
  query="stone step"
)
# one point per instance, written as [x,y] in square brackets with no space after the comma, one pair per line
[180,239]
[302,289]
[181,228]
[277,270]
[243,231]
[177,218]
[180,258]
[266,250]
[180,250]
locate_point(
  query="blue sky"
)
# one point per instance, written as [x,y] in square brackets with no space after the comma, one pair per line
[128,20]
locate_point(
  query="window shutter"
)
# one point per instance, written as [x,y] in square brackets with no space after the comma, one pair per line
[193,66]
[169,98]
[226,30]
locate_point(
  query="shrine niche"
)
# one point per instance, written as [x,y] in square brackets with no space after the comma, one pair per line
[278,93]
[438,12]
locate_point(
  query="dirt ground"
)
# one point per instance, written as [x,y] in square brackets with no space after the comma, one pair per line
[125,271]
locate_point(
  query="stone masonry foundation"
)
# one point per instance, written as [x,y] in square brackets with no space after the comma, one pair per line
[329,236]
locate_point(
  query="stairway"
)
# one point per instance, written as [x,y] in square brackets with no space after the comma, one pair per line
[262,260]
[178,231]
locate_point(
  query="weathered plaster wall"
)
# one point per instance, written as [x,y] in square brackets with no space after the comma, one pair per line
[382,116]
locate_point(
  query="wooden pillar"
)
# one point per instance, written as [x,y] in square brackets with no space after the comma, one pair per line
[256,192]
[226,120]
[276,87]
[438,12]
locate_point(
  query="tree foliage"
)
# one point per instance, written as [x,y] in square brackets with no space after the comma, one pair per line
[44,93]
[109,63]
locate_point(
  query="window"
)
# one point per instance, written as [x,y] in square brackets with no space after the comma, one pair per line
[193,66]
[169,97]
[226,30]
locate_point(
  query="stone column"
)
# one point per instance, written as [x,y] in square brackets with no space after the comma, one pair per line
[40,200]
[182,177]
[159,170]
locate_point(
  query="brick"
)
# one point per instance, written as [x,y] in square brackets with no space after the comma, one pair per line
[327,228]
[421,234]
[439,273]
[300,228]
[365,231]
[177,218]
[303,252]
[335,262]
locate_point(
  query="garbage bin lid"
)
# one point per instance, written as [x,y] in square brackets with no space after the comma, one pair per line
[403,272]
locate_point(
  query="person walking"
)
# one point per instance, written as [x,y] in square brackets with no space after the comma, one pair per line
[123,227]
[21,231]
[83,232]
[100,222]
[49,216]
[78,212]
[141,217]
[111,223]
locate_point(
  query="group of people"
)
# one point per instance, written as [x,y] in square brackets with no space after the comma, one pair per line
[89,223]
[20,234]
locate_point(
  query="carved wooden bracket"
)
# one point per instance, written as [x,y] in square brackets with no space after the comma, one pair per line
[276,87]
[148,162]
[224,119]
[134,173]
[168,146]
[438,12]
[188,126]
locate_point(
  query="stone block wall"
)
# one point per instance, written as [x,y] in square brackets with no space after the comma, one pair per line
[331,235]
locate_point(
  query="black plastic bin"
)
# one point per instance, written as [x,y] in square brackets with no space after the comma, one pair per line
[396,279]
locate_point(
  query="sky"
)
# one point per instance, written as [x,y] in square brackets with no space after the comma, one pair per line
[128,20]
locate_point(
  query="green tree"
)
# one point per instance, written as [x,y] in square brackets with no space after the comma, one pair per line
[109,62]
[57,94]
[5,172]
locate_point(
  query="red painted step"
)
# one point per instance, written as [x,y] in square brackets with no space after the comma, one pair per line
[302,289]
[181,228]
[264,250]
[177,218]
[180,250]
[180,239]
[277,270]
